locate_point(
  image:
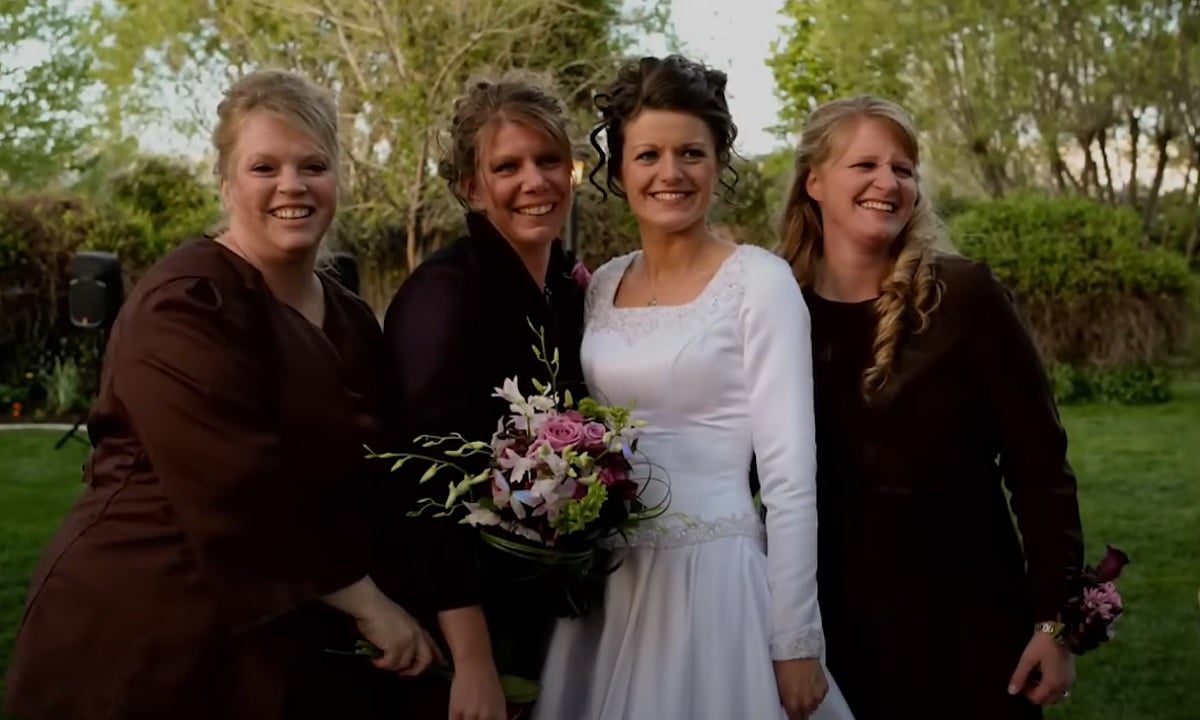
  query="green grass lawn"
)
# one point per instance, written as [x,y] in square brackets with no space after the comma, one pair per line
[1139,471]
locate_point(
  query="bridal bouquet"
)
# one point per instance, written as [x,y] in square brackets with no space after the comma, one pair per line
[1090,617]
[555,482]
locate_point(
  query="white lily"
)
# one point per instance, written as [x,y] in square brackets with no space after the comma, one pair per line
[554,462]
[517,465]
[503,497]
[511,393]
[480,515]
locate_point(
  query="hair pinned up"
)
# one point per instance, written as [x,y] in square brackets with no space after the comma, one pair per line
[515,98]
[673,83]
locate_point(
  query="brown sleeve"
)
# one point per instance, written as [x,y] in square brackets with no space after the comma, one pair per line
[1032,445]
[194,380]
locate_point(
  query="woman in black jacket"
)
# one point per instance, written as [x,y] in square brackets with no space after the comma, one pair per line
[464,321]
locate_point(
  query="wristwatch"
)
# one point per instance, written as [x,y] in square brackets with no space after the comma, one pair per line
[1053,629]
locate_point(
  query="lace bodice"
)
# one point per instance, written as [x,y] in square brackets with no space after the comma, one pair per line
[719,380]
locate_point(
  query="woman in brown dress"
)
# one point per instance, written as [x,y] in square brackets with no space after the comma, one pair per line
[930,399]
[218,550]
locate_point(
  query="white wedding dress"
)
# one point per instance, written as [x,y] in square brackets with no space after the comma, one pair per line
[694,616]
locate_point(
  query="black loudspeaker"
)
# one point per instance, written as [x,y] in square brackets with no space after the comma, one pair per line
[96,291]
[345,270]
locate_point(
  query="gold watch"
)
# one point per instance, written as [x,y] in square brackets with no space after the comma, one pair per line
[1053,629]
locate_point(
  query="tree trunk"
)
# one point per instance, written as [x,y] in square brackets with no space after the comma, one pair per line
[1090,177]
[1102,140]
[1190,253]
[1131,190]
[993,176]
[1161,140]
[412,225]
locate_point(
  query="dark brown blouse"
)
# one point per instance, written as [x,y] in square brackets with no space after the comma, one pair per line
[928,590]
[224,496]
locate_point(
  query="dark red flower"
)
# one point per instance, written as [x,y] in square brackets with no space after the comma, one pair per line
[581,275]
[1111,565]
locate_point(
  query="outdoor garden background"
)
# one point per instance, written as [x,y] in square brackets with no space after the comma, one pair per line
[1062,145]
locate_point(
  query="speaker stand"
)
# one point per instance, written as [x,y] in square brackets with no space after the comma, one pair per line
[98,337]
[72,433]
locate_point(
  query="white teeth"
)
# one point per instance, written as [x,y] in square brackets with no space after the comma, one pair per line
[668,195]
[536,210]
[873,205]
[292,213]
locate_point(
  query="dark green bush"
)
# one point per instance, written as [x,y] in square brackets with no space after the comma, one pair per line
[139,214]
[1093,295]
[1137,384]
[1106,312]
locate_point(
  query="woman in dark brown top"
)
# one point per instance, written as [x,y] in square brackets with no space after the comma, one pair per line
[930,400]
[201,572]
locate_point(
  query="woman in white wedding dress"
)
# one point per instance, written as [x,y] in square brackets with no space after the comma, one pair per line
[710,342]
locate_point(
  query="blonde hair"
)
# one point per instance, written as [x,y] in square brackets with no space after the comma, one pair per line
[292,97]
[911,291]
[516,97]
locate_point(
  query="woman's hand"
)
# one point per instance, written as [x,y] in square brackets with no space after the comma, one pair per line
[405,645]
[802,686]
[1055,664]
[476,694]
[407,648]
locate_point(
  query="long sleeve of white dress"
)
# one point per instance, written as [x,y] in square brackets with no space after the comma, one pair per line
[778,364]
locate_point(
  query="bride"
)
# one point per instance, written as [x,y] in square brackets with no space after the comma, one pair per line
[710,342]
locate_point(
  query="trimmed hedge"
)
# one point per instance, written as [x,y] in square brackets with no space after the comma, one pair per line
[139,215]
[1105,311]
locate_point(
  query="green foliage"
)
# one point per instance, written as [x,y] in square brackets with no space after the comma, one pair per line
[166,199]
[1094,297]
[396,67]
[751,212]
[825,52]
[38,236]
[41,104]
[1045,247]
[1136,384]
[802,78]
[139,212]
[1008,94]
[1174,228]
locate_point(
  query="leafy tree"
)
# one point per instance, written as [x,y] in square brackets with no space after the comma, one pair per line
[42,82]
[395,66]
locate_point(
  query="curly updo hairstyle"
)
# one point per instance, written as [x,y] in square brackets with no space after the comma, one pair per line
[675,84]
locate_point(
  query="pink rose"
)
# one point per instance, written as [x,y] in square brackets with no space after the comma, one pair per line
[560,431]
[581,275]
[593,435]
[574,415]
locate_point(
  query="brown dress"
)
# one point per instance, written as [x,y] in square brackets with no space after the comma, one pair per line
[928,594]
[224,496]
